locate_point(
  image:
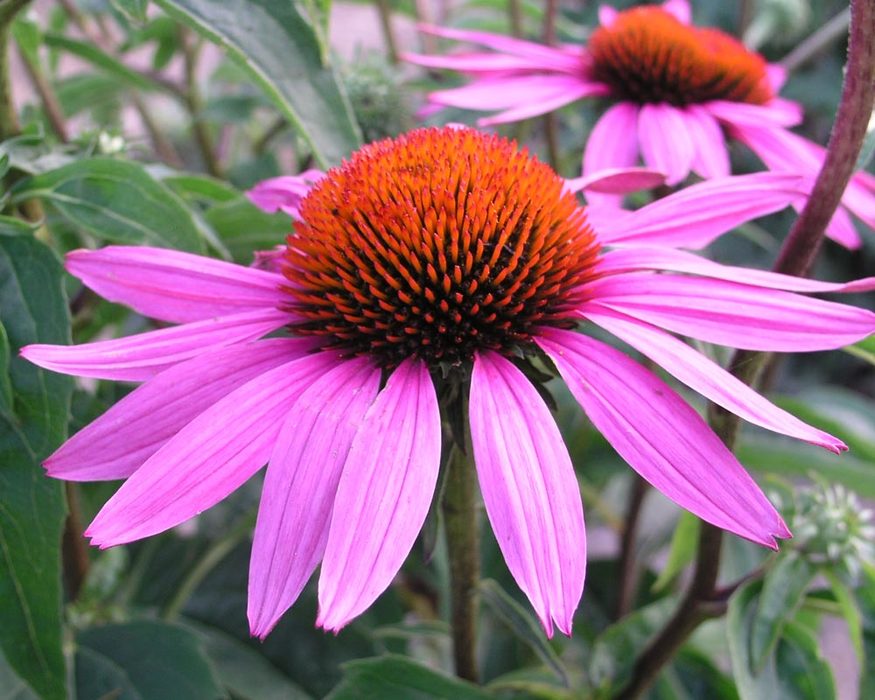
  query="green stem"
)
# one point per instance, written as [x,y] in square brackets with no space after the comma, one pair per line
[385,13]
[460,521]
[9,125]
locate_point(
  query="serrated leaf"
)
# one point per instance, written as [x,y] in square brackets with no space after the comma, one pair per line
[796,671]
[394,677]
[160,660]
[523,624]
[116,200]
[278,48]
[33,308]
[682,550]
[783,590]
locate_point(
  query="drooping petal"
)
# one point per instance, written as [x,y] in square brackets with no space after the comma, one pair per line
[131,431]
[613,143]
[383,496]
[665,141]
[778,113]
[840,229]
[711,156]
[732,314]
[552,99]
[209,458]
[284,193]
[673,260]
[529,489]
[708,378]
[661,437]
[173,286]
[300,486]
[483,63]
[514,91]
[140,357]
[680,9]
[694,216]
[616,181]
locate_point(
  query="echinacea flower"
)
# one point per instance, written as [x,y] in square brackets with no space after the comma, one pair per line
[429,269]
[675,92]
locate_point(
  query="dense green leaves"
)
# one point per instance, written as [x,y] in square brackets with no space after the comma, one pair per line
[33,421]
[118,201]
[276,45]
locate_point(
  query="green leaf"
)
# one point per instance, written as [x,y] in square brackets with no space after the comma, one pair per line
[796,671]
[11,685]
[98,676]
[523,624]
[865,595]
[160,660]
[33,309]
[783,590]
[616,649]
[865,349]
[682,551]
[28,37]
[5,381]
[244,228]
[117,200]
[850,610]
[200,187]
[99,59]
[393,677]
[276,45]
[242,670]
[134,10]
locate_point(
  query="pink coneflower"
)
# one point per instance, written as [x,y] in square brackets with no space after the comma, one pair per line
[675,91]
[424,275]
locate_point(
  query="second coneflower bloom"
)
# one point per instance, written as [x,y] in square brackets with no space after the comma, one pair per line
[674,90]
[424,276]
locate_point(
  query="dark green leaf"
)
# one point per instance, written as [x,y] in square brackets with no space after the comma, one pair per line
[98,676]
[12,687]
[523,624]
[5,381]
[691,676]
[850,610]
[783,589]
[865,594]
[160,660]
[117,200]
[796,671]
[200,187]
[33,309]
[242,670]
[244,228]
[400,678]
[280,51]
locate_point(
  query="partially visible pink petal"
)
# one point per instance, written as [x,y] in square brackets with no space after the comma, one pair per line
[736,315]
[617,181]
[661,437]
[665,141]
[708,378]
[139,357]
[300,486]
[696,215]
[670,259]
[680,9]
[529,489]
[776,74]
[859,197]
[485,63]
[840,228]
[607,15]
[383,496]
[131,431]
[711,156]
[778,112]
[613,143]
[173,286]
[284,193]
[550,100]
[209,458]
[514,91]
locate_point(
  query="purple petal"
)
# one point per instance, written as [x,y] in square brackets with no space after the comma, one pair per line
[284,193]
[680,9]
[383,496]
[736,315]
[665,141]
[776,74]
[172,286]
[552,98]
[612,144]
[708,378]
[209,458]
[778,113]
[300,487]
[140,357]
[617,181]
[529,489]
[694,216]
[661,437]
[711,157]
[486,63]
[607,15]
[117,443]
[669,259]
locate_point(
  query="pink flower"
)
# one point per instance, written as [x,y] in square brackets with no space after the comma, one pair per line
[426,270]
[675,89]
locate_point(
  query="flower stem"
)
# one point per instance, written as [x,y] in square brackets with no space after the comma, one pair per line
[628,572]
[702,601]
[460,521]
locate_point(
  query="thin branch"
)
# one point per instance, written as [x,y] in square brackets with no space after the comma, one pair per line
[817,42]
[385,13]
[51,105]
[628,574]
[194,102]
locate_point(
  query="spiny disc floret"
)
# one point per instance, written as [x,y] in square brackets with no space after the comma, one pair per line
[434,245]
[647,55]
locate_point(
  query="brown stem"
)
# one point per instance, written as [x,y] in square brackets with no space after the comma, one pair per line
[9,125]
[515,12]
[460,521]
[796,258]
[164,149]
[194,103]
[385,13]
[628,575]
[47,96]
[74,550]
